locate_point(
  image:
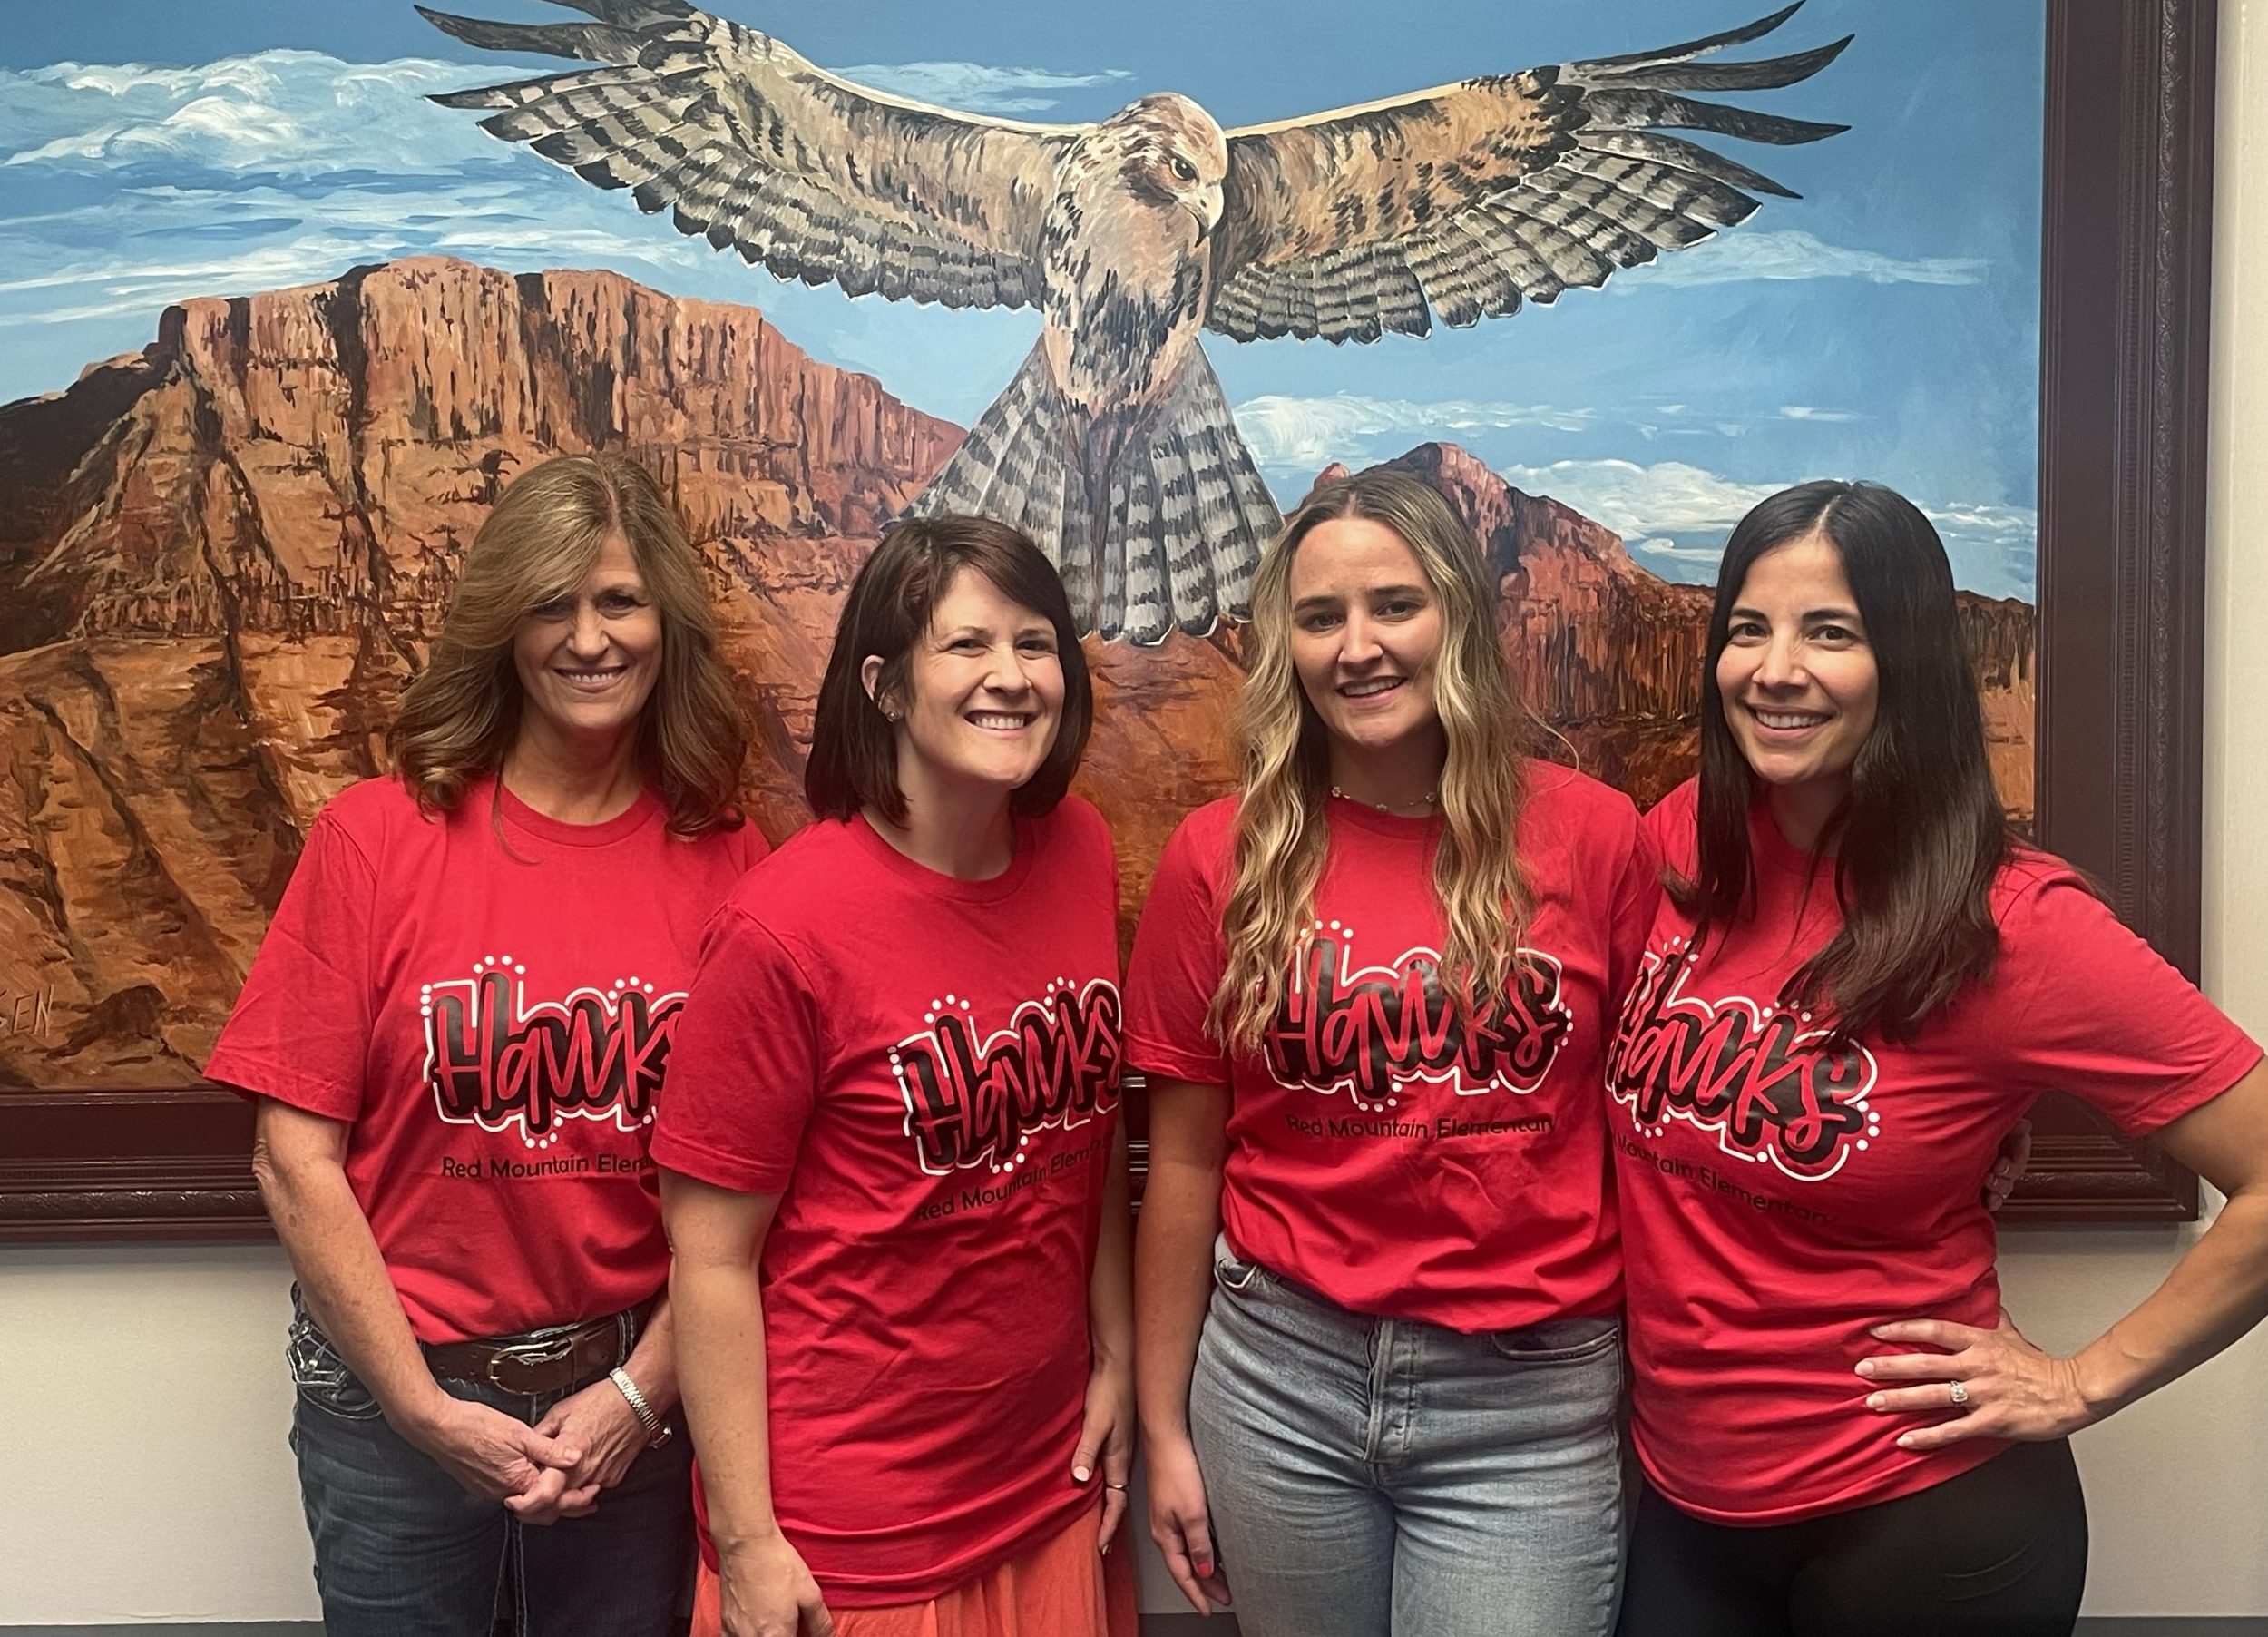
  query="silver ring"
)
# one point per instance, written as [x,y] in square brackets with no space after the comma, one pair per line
[1961,1393]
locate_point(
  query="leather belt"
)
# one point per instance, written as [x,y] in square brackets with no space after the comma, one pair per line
[538,1364]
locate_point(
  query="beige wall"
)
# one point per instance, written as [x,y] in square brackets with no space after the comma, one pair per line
[143,1408]
[142,1399]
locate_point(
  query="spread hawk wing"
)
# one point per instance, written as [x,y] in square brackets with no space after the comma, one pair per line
[1462,202]
[749,145]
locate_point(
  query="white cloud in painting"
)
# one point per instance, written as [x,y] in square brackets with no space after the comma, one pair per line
[1806,412]
[130,289]
[977,87]
[1670,497]
[1662,545]
[295,114]
[1680,515]
[1736,257]
[1310,432]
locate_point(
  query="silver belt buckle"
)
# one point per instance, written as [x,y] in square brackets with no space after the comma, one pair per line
[532,1355]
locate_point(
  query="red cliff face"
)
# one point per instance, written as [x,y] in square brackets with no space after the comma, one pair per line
[1610,655]
[219,561]
[220,558]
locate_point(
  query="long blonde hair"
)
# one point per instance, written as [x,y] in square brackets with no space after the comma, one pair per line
[460,714]
[1283,754]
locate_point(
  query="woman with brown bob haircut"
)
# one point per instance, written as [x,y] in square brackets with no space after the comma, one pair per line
[890,1162]
[456,1030]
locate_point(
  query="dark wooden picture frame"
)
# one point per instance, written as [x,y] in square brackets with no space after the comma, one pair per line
[2127,272]
[2126,290]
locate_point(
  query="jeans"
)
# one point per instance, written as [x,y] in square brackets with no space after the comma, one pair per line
[401,1551]
[1385,1477]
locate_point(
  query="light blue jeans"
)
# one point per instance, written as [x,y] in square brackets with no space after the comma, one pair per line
[1385,1477]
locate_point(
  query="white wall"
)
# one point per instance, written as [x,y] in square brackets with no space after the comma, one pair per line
[142,1400]
[143,1408]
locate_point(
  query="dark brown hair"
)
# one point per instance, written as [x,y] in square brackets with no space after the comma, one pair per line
[854,751]
[1921,834]
[460,714]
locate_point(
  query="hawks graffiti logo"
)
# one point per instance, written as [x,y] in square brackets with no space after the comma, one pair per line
[495,1061]
[1761,1077]
[1364,1031]
[971,1101]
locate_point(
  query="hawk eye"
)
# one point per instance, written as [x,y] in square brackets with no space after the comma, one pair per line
[1184,168]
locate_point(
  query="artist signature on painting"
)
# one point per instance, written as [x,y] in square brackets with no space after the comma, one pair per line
[27,1011]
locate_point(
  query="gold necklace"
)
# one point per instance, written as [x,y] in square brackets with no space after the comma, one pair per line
[1431,799]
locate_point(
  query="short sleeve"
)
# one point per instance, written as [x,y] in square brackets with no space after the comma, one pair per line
[745,1062]
[1638,896]
[1672,828]
[2087,1007]
[1176,969]
[300,1030]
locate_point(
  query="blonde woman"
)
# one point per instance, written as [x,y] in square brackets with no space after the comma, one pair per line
[454,1029]
[1377,1284]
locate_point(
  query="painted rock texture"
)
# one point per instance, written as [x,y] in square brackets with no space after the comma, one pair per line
[220,558]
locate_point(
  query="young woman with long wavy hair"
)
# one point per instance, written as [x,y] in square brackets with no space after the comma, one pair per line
[1857,982]
[1379,1344]
[456,1029]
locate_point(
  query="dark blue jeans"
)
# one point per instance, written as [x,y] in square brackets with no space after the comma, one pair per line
[401,1551]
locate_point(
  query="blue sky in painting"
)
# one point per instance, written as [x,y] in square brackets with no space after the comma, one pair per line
[1886,325]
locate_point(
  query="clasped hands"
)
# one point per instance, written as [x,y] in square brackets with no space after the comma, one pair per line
[1994,1383]
[544,1472]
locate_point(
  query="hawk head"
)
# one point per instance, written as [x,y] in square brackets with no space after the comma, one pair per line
[1168,153]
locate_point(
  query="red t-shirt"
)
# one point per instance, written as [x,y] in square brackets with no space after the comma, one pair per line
[926,1071]
[1381,1152]
[487,999]
[1779,1198]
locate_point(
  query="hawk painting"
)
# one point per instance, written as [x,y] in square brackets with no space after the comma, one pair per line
[1113,447]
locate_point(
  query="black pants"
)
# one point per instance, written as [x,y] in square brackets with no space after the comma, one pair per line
[1998,1552]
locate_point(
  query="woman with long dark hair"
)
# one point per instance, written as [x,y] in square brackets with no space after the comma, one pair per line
[456,1029]
[890,1157]
[1379,1353]
[1857,984]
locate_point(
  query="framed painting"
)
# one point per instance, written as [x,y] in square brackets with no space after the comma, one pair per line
[284,312]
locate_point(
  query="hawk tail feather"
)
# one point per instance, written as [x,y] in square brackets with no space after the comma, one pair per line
[1197,513]
[1186,518]
[1016,465]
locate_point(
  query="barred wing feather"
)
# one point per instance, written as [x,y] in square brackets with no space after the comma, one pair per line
[1460,202]
[746,143]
